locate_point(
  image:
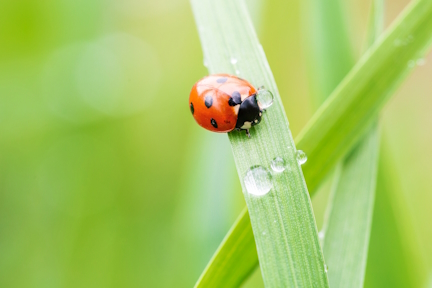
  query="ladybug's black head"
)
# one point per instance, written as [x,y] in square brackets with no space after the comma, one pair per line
[249,113]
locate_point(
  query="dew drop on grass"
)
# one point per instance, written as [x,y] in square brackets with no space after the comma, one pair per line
[265,98]
[325,268]
[278,164]
[301,157]
[233,60]
[258,181]
[237,72]
[321,235]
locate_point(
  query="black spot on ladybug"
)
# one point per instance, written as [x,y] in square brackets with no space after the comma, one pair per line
[208,101]
[213,122]
[235,99]
[221,80]
[192,109]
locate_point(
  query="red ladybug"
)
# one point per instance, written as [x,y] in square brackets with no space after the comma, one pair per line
[223,102]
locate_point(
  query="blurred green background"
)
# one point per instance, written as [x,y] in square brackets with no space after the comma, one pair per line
[105,179]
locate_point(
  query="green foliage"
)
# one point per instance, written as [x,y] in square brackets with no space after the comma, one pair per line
[239,255]
[282,220]
[351,109]
[105,179]
[346,236]
[347,229]
[330,55]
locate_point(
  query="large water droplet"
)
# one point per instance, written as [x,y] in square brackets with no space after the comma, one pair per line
[301,157]
[278,164]
[258,181]
[233,60]
[265,98]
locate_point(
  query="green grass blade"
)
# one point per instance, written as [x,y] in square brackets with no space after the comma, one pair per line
[330,54]
[350,212]
[282,220]
[342,120]
[348,229]
[218,272]
[351,109]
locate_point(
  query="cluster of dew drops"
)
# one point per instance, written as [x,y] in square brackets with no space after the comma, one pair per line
[258,179]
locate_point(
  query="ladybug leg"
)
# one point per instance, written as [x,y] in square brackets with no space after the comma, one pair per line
[247,133]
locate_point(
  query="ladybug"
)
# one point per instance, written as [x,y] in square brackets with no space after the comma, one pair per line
[223,103]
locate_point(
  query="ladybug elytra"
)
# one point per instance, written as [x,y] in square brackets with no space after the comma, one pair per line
[223,103]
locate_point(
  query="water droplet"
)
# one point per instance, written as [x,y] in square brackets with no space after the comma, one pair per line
[265,98]
[264,233]
[421,62]
[325,268]
[301,157]
[258,181]
[233,60]
[321,235]
[237,72]
[278,164]
[411,63]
